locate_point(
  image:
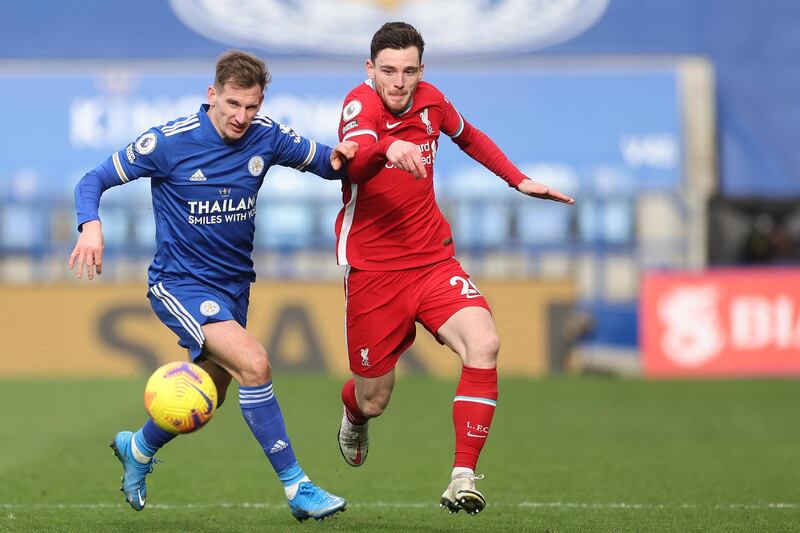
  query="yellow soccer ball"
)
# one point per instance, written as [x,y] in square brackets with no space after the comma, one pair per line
[180,397]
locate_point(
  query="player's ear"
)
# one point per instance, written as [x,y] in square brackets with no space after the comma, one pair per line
[212,95]
[370,69]
[421,69]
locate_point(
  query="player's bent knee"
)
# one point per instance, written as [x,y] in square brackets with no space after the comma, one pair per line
[256,370]
[482,353]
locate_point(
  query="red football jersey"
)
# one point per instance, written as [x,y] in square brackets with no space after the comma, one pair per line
[391,221]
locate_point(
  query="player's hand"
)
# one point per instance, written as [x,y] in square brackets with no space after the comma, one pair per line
[89,250]
[406,156]
[539,190]
[342,153]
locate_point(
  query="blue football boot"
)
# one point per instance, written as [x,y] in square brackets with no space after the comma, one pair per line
[314,502]
[133,472]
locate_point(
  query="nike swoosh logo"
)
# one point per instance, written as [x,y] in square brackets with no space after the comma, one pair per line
[141,500]
[471,434]
[392,126]
[357,460]
[209,403]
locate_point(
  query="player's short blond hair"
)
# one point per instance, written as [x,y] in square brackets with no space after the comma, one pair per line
[241,69]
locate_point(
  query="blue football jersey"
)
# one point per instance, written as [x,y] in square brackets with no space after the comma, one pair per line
[204,192]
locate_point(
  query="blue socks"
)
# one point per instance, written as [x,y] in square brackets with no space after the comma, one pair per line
[149,439]
[262,413]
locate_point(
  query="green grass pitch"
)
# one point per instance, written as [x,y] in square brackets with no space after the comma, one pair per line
[564,455]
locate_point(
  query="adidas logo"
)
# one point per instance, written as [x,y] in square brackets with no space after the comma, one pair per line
[198,176]
[278,446]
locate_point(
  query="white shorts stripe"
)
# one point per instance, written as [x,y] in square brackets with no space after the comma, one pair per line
[347,224]
[177,310]
[475,399]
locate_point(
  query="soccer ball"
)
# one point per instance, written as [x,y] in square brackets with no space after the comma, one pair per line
[180,397]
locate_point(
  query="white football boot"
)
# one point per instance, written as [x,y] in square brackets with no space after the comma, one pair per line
[462,494]
[353,442]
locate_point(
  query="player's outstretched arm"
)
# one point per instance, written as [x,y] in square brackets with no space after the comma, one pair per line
[89,250]
[539,190]
[342,153]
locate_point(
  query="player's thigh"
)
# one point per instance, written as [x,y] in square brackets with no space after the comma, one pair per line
[379,321]
[471,333]
[237,351]
[454,310]
[185,306]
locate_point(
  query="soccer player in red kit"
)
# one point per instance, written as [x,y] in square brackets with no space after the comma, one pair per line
[399,253]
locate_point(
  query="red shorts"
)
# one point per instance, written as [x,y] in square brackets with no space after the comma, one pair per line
[382,308]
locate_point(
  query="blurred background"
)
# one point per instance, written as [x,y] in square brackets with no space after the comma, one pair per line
[672,122]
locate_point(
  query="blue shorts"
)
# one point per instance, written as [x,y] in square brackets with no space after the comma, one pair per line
[185,305]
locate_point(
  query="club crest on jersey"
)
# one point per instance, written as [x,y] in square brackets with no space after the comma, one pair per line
[424,118]
[351,110]
[146,143]
[256,165]
[209,308]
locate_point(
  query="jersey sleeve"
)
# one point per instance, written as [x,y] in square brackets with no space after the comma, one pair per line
[306,155]
[452,121]
[141,158]
[147,156]
[360,123]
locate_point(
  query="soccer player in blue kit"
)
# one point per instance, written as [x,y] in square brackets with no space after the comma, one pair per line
[206,170]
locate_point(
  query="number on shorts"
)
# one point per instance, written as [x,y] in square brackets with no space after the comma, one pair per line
[468,288]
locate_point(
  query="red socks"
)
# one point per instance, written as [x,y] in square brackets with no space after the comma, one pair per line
[353,413]
[473,409]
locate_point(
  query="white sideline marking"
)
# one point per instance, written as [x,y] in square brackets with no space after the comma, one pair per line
[406,505]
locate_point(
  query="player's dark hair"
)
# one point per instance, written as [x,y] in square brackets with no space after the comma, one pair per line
[241,69]
[397,36]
